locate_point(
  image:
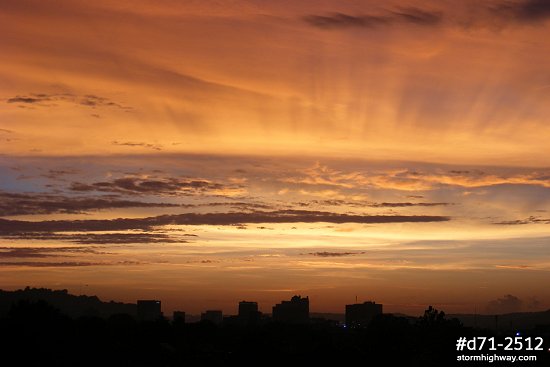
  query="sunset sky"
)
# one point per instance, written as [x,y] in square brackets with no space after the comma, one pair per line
[204,152]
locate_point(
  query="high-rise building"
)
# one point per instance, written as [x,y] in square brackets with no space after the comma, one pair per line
[214,316]
[248,312]
[294,311]
[149,310]
[361,314]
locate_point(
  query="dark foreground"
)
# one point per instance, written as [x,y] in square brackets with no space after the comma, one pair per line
[37,334]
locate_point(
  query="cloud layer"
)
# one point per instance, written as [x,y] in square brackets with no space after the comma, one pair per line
[158,186]
[52,100]
[282,216]
[32,203]
[401,16]
[391,92]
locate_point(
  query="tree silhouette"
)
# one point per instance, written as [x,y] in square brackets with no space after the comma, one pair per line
[432,317]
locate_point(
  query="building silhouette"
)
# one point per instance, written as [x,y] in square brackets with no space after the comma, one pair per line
[178,316]
[294,311]
[248,312]
[361,314]
[214,316]
[149,310]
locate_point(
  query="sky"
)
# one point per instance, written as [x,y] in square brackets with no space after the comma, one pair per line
[208,152]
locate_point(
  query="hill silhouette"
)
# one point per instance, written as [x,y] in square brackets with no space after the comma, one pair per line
[516,321]
[68,304]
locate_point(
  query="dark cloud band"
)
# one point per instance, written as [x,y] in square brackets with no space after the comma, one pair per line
[159,186]
[280,216]
[31,203]
[401,16]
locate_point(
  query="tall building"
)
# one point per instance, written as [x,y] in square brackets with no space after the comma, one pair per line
[214,316]
[248,312]
[149,310]
[361,314]
[294,311]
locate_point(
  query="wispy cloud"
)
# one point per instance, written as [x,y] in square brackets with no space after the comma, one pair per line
[239,205]
[40,252]
[340,20]
[101,238]
[57,174]
[64,264]
[155,186]
[405,204]
[530,220]
[506,304]
[334,254]
[410,179]
[51,100]
[137,144]
[525,11]
[400,16]
[488,14]
[362,204]
[35,203]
